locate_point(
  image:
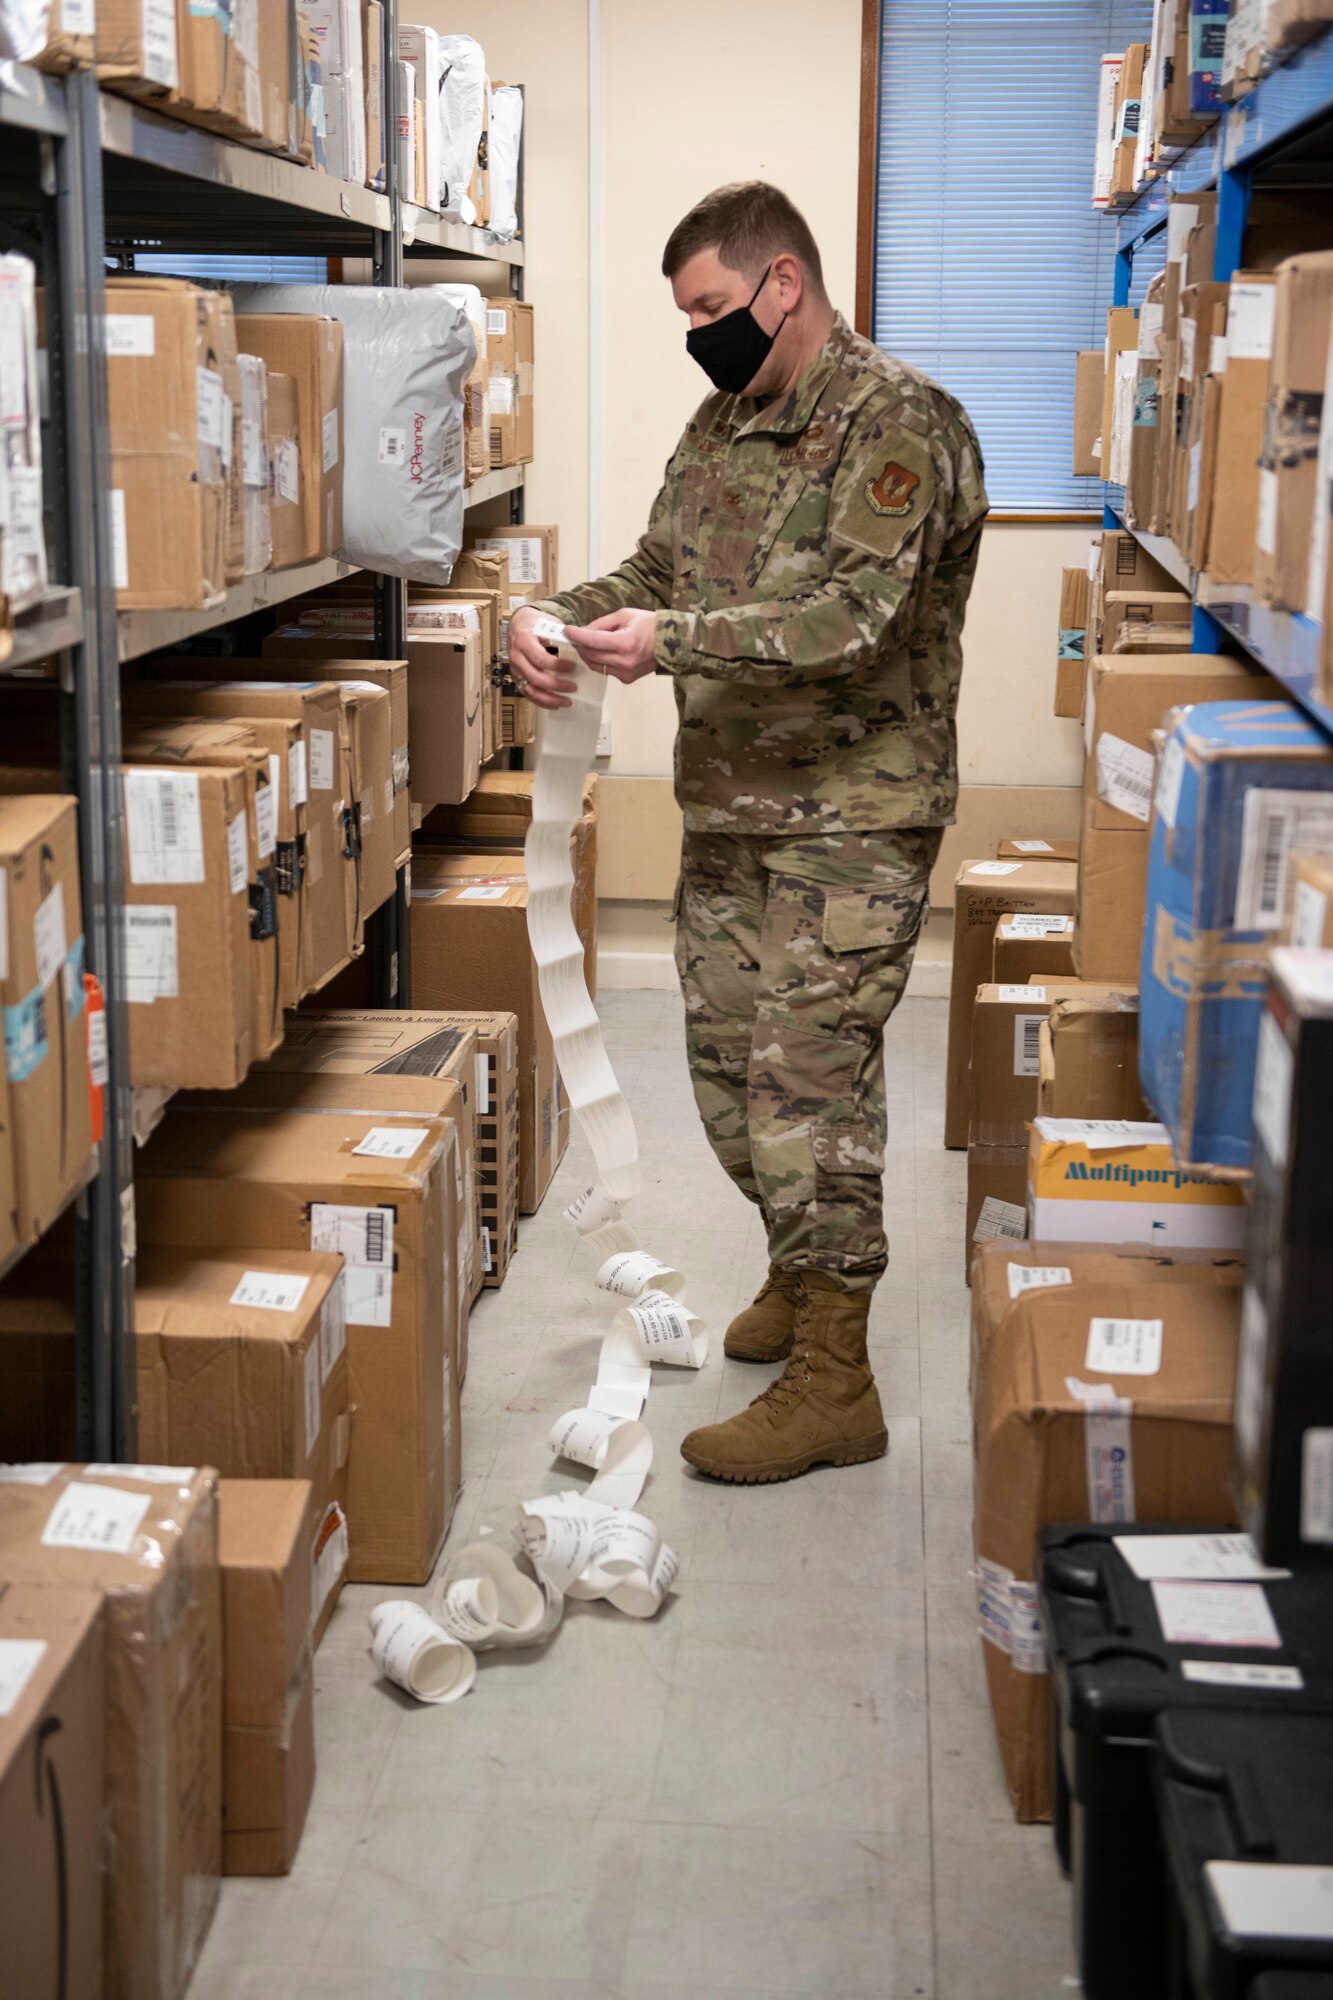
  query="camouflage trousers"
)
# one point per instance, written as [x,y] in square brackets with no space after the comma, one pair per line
[792,953]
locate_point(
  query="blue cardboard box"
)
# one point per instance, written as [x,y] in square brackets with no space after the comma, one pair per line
[1242,786]
[1208,31]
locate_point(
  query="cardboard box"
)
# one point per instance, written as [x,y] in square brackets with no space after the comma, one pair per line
[1088,1055]
[470,950]
[1006,1024]
[1128,106]
[444,693]
[1288,23]
[492,824]
[1108,90]
[1157,621]
[1112,884]
[46,1051]
[148,1543]
[253,468]
[1229,553]
[1028,848]
[983,893]
[1201,467]
[1089,393]
[233,744]
[1287,484]
[286,511]
[509,354]
[166,405]
[1030,947]
[311,780]
[52,1754]
[1044,1455]
[518,722]
[310,350]
[186,928]
[1090,1185]
[141,50]
[996,1196]
[70,44]
[532,555]
[268,1737]
[292,1180]
[1244,785]
[277,78]
[284,662]
[1122,337]
[1071,643]
[1122,564]
[1307,922]
[372,36]
[1199,305]
[420,48]
[394,1042]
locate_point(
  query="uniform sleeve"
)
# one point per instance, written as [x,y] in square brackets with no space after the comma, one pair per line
[880,527]
[641,583]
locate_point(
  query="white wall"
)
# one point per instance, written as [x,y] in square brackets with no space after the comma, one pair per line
[694,94]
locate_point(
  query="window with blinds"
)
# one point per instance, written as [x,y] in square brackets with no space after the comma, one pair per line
[992,268]
[235,270]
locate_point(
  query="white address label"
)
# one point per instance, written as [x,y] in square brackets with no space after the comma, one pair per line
[19,1661]
[275,1291]
[102,1518]
[1124,1346]
[393,1142]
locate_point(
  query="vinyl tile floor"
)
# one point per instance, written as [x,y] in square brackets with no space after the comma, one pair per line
[784,1784]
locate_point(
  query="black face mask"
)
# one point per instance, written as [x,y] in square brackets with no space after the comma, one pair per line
[733,349]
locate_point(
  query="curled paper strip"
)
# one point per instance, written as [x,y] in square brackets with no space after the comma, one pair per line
[657,1328]
[410,1648]
[526,1611]
[589,1552]
[620,1453]
[601,1225]
[631,1273]
[566,745]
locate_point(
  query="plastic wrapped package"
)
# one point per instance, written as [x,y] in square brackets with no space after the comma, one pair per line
[406,356]
[477,388]
[23,28]
[22,545]
[147,1538]
[462,117]
[256,509]
[502,153]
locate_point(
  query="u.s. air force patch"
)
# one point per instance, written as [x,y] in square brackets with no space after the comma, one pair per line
[891,493]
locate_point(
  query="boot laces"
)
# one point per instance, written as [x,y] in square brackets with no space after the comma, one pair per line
[791,1384]
[783,1279]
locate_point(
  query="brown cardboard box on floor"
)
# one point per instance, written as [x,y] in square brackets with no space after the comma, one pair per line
[311,781]
[186,930]
[239,1364]
[146,1538]
[1287,467]
[1030,946]
[50,1116]
[470,950]
[996,1196]
[1230,551]
[1072,643]
[395,1042]
[1088,1058]
[268,1734]
[309,349]
[293,1180]
[493,822]
[1030,849]
[1032,1465]
[234,743]
[52,1753]
[984,891]
[1308,922]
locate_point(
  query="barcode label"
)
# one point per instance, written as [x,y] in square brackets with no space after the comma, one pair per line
[1124,1346]
[1037,1277]
[1035,923]
[1124,775]
[1000,1218]
[163,826]
[1169,782]
[1273,824]
[1027,1044]
[364,1239]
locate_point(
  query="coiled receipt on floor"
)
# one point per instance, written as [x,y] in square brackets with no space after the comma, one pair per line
[510,1591]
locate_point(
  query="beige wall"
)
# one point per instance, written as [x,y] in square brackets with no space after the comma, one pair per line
[790,114]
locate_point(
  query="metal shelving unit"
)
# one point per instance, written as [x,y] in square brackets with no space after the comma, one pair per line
[1280,135]
[84,177]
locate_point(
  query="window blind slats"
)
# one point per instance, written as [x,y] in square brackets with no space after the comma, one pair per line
[991,267]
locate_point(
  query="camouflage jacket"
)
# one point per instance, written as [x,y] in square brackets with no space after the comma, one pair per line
[809,564]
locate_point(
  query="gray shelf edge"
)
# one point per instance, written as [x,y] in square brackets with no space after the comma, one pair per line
[147,631]
[31,101]
[51,627]
[504,479]
[423,228]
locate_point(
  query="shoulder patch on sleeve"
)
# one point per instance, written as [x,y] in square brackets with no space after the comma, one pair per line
[889,492]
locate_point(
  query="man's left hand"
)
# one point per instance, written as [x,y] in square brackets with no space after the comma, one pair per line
[620,645]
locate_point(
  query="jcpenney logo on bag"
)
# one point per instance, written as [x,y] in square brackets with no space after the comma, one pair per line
[417,463]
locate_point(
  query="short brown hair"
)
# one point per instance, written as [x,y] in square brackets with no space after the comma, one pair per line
[748,223]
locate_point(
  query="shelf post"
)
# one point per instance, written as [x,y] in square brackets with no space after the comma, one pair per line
[104,1345]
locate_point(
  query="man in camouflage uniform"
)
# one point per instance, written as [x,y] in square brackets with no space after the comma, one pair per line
[803,580]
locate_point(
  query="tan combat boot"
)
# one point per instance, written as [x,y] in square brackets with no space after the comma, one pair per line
[822,1410]
[763,1332]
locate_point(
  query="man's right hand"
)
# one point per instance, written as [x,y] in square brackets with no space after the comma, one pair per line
[546,679]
